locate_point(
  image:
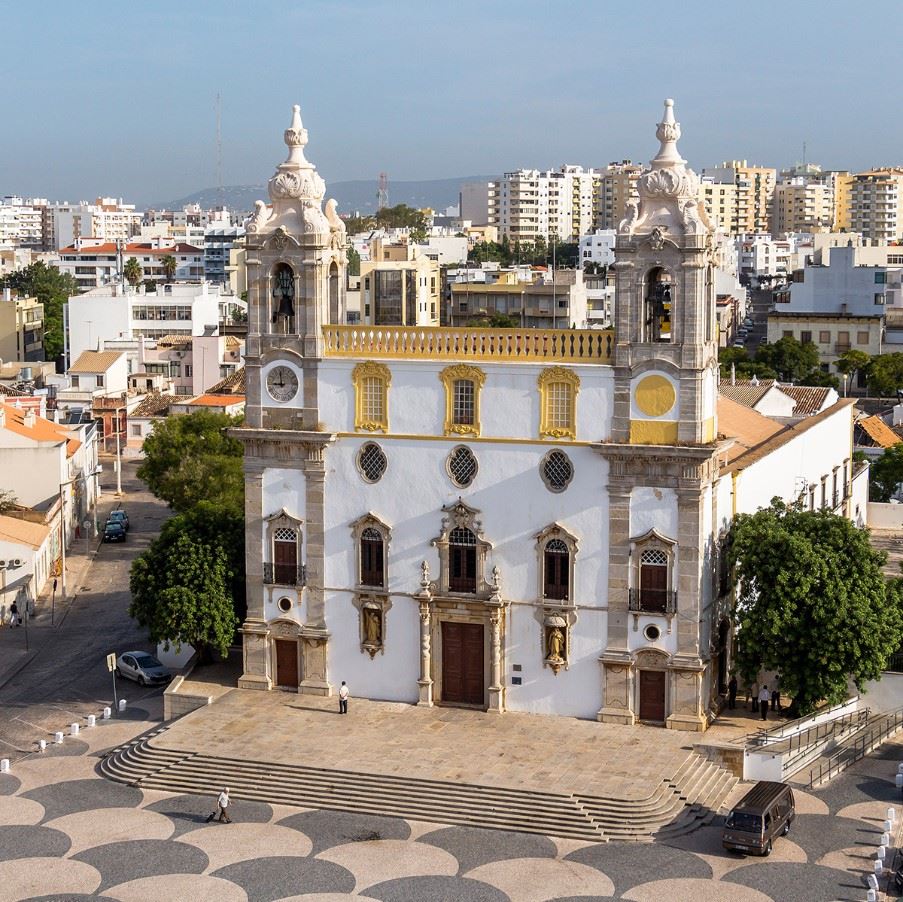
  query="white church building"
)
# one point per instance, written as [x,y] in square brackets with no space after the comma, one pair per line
[508,519]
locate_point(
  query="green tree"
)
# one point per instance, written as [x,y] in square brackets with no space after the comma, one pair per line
[743,367]
[812,603]
[495,321]
[180,593]
[852,362]
[132,271]
[790,359]
[885,375]
[169,266]
[354,261]
[188,459]
[53,289]
[886,474]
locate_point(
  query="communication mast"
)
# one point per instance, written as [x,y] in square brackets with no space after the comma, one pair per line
[219,152]
[382,193]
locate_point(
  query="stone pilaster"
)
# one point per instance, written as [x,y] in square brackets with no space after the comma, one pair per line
[496,689]
[426,681]
[256,660]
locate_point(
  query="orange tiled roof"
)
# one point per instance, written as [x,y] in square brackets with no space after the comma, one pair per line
[748,427]
[12,529]
[809,398]
[40,430]
[216,400]
[109,249]
[95,361]
[878,431]
[744,391]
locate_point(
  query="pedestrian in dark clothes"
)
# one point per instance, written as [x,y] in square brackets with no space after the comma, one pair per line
[732,693]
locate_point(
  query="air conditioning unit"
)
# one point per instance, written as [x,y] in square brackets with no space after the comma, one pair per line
[16,563]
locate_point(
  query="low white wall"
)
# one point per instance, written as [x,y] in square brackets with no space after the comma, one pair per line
[885,694]
[885,516]
[762,765]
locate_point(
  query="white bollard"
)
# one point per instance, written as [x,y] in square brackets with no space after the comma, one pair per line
[42,744]
[871,896]
[898,780]
[900,768]
[885,839]
[122,704]
[872,882]
[106,713]
[4,765]
[91,720]
[73,729]
[882,853]
[891,814]
[58,737]
[888,826]
[879,868]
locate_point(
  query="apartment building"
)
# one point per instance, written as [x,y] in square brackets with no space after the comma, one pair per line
[597,248]
[876,204]
[762,257]
[803,204]
[754,192]
[218,243]
[22,222]
[400,286]
[21,328]
[478,202]
[107,220]
[617,188]
[94,263]
[720,202]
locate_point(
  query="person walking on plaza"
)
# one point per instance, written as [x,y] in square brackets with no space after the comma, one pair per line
[343,698]
[752,696]
[776,699]
[764,697]
[14,619]
[222,804]
[732,692]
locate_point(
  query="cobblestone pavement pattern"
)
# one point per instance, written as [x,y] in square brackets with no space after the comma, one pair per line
[66,833]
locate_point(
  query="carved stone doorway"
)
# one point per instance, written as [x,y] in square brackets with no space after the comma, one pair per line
[462,663]
[287,663]
[652,695]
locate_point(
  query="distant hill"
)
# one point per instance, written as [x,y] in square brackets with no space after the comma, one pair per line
[359,195]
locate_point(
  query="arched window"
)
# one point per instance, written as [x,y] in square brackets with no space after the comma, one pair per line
[558,389]
[283,298]
[334,293]
[462,399]
[372,559]
[654,565]
[285,556]
[556,577]
[658,306]
[462,560]
[371,392]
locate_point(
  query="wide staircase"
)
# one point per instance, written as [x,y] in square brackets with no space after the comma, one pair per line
[680,804]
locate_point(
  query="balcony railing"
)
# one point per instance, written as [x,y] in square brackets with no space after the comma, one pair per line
[590,345]
[652,601]
[284,575]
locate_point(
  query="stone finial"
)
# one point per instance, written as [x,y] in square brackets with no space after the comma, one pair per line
[295,137]
[668,133]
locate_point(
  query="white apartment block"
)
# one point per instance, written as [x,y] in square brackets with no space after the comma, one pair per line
[95,263]
[598,248]
[105,314]
[106,220]
[753,198]
[617,188]
[876,204]
[760,256]
[22,222]
[803,204]
[478,202]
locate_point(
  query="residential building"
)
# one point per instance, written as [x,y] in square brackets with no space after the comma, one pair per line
[21,328]
[781,401]
[753,196]
[478,202]
[617,189]
[600,299]
[803,204]
[400,286]
[876,204]
[193,363]
[28,551]
[230,405]
[106,221]
[94,263]
[720,202]
[14,257]
[153,408]
[762,258]
[218,243]
[93,375]
[597,248]
[22,222]
[571,494]
[103,315]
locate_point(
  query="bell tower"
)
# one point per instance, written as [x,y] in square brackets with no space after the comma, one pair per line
[666,351]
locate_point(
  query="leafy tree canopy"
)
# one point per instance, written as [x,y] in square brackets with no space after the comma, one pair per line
[885,375]
[53,289]
[537,253]
[496,321]
[812,603]
[401,216]
[180,591]
[132,271]
[886,473]
[188,459]
[787,360]
[354,262]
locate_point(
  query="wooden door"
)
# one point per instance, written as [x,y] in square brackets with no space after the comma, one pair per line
[286,560]
[653,586]
[652,695]
[287,663]
[462,663]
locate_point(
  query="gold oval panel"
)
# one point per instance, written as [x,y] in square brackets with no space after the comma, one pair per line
[655,396]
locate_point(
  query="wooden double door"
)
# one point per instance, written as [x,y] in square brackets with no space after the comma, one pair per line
[287,663]
[462,663]
[652,695]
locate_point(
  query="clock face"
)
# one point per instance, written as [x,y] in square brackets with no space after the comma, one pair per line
[282,383]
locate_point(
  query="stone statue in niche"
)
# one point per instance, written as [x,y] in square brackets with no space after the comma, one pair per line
[555,645]
[372,628]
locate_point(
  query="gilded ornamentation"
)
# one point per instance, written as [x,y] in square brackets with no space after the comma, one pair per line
[558,388]
[371,382]
[462,418]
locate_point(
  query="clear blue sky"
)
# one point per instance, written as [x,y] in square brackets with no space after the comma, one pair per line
[119,99]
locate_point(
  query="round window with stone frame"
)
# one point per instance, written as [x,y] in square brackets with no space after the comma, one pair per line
[372,462]
[462,466]
[556,470]
[284,605]
[652,632]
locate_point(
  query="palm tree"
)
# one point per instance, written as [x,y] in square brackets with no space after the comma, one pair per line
[132,271]
[169,267]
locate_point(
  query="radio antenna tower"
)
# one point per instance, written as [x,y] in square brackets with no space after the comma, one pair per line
[219,151]
[382,193]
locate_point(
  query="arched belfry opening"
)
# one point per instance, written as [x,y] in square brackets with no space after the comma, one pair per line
[334,293]
[282,293]
[658,306]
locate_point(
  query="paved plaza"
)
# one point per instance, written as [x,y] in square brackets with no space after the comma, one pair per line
[66,833]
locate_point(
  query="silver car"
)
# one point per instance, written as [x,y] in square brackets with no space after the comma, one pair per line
[142,667]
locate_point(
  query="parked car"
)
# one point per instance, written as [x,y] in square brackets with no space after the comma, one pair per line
[113,532]
[142,667]
[119,516]
[739,344]
[764,813]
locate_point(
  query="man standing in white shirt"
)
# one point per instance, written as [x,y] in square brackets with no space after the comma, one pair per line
[343,698]
[222,804]
[764,698]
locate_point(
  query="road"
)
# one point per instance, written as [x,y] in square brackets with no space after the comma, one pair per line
[68,679]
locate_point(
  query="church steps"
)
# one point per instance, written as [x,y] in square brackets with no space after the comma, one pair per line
[678,805]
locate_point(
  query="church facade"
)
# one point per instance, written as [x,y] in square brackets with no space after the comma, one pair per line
[509,519]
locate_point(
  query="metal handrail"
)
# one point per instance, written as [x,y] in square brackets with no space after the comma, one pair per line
[775,734]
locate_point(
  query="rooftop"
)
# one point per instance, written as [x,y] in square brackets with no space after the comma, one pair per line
[233,384]
[38,428]
[24,532]
[109,249]
[878,431]
[95,361]
[210,400]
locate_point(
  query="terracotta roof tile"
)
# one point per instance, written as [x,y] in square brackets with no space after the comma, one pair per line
[746,426]
[174,341]
[878,431]
[145,250]
[40,430]
[233,384]
[12,529]
[95,361]
[210,400]
[154,404]
[810,399]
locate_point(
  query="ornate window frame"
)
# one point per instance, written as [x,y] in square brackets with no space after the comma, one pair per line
[555,489]
[360,375]
[461,515]
[450,472]
[652,541]
[555,614]
[553,532]
[549,377]
[360,469]
[372,602]
[449,376]
[282,519]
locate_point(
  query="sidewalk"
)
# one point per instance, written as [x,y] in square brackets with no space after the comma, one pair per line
[19,645]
